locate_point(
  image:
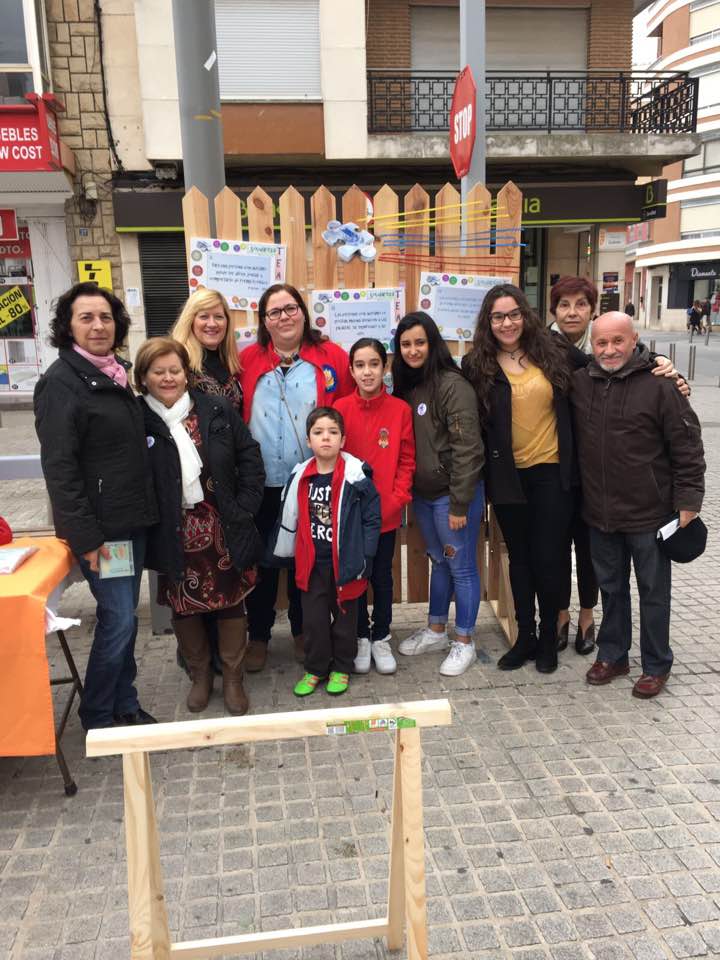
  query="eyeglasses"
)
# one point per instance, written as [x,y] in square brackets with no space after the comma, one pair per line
[515,316]
[290,310]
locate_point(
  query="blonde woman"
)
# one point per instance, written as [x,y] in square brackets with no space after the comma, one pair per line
[205,329]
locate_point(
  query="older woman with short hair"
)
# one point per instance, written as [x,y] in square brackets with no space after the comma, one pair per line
[209,476]
[94,458]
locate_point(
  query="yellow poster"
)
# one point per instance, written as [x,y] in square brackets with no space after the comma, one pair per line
[95,271]
[12,305]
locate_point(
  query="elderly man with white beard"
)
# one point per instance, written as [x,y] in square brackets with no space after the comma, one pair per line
[641,463]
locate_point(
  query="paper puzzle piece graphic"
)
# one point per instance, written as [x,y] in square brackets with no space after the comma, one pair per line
[349,240]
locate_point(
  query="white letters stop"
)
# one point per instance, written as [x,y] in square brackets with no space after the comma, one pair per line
[462,124]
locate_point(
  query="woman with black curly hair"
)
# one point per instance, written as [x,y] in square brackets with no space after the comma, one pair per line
[521,374]
[94,458]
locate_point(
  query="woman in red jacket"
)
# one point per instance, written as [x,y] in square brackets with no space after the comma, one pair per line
[291,370]
[378,430]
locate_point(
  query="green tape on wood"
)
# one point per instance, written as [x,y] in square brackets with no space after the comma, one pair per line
[369,726]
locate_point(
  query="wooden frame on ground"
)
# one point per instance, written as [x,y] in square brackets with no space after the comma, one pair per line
[149,931]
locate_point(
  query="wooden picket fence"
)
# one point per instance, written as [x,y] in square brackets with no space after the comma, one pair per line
[436,246]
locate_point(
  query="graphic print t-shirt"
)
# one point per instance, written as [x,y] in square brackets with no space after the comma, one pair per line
[320,489]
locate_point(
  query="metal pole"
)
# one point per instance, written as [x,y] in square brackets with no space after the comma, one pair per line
[652,346]
[707,335]
[671,353]
[472,54]
[691,363]
[199,95]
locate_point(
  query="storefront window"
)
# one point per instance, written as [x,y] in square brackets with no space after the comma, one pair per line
[19,360]
[13,46]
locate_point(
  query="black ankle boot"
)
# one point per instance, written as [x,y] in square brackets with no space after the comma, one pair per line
[546,659]
[523,651]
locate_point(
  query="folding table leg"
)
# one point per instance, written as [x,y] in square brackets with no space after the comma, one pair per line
[77,687]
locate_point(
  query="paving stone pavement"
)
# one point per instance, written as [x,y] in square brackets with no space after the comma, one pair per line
[561,821]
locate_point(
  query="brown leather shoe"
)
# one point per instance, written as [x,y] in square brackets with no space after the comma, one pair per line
[299,645]
[255,656]
[236,700]
[602,672]
[648,686]
[199,694]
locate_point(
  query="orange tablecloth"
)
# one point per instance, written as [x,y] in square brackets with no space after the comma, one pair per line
[27,726]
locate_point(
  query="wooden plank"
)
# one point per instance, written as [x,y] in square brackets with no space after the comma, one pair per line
[447,227]
[417,562]
[509,217]
[385,206]
[260,217]
[416,217]
[322,210]
[196,218]
[228,215]
[292,234]
[413,845]
[482,558]
[354,210]
[279,939]
[149,931]
[229,221]
[105,742]
[396,884]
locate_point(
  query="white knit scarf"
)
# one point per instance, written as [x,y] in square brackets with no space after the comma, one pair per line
[190,462]
[583,343]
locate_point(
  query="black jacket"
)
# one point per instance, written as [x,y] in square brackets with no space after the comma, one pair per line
[233,460]
[641,453]
[93,452]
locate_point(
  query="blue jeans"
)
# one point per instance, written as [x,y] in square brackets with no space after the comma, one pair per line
[454,559]
[109,688]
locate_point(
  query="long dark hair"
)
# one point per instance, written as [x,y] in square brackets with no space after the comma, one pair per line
[310,335]
[438,361]
[543,348]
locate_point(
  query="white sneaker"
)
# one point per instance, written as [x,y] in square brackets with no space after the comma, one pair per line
[362,660]
[461,656]
[424,640]
[383,656]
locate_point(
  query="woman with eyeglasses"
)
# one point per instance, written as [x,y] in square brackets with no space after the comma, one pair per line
[521,373]
[289,371]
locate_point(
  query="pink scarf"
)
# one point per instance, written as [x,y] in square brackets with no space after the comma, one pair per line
[108,365]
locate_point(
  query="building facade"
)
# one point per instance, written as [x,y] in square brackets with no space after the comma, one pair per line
[678,260]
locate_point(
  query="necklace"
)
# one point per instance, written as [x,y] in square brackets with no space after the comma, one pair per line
[287,359]
[513,354]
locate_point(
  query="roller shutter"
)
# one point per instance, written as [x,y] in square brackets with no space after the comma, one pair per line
[268,49]
[164,280]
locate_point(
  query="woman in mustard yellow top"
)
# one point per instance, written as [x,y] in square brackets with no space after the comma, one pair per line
[521,373]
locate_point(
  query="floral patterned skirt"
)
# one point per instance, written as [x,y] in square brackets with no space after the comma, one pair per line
[210,582]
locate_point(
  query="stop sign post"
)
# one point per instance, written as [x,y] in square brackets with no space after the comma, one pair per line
[463,113]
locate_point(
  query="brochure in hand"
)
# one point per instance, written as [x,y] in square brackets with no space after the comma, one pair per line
[120,563]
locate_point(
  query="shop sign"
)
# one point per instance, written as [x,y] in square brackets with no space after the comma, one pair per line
[95,271]
[29,136]
[611,239]
[8,225]
[704,272]
[16,249]
[12,305]
[654,205]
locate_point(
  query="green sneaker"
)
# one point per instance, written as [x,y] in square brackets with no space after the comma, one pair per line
[306,686]
[337,683]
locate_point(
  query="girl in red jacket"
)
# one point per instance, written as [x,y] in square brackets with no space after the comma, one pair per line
[378,430]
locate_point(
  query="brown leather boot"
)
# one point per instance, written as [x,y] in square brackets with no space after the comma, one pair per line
[195,648]
[232,643]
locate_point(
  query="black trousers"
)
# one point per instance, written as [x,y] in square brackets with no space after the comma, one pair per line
[536,534]
[579,537]
[381,580]
[330,632]
[261,602]
[611,553]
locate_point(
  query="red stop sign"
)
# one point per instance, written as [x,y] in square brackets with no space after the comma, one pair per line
[462,122]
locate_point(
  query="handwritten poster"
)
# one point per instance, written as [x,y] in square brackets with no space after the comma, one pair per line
[240,270]
[347,315]
[454,301]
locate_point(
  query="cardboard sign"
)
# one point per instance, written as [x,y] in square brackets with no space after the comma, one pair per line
[454,301]
[240,270]
[12,305]
[347,315]
[95,271]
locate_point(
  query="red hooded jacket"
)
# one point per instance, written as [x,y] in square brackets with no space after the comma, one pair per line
[332,371]
[380,432]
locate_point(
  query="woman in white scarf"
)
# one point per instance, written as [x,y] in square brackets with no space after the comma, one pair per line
[209,479]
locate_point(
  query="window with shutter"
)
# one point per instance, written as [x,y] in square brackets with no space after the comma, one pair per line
[164,280]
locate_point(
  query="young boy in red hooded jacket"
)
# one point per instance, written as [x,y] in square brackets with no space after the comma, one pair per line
[330,524]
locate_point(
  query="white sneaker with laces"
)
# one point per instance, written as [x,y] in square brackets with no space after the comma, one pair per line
[385,662]
[362,660]
[424,640]
[461,656]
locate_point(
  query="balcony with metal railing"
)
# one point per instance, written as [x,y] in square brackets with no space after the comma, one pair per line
[549,102]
